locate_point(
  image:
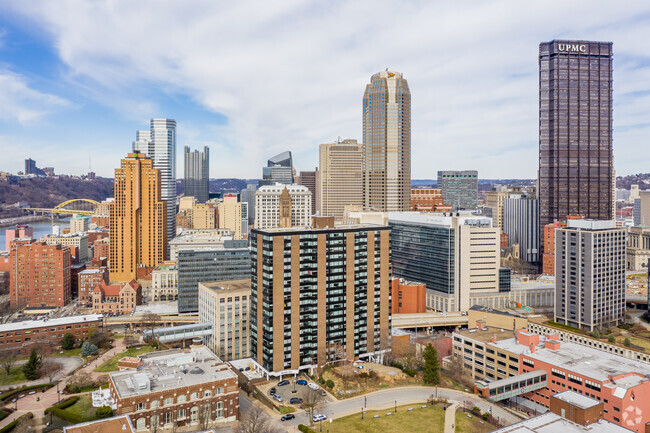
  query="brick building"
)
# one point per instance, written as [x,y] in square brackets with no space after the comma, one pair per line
[23,335]
[408,297]
[428,200]
[40,275]
[88,280]
[176,388]
[101,248]
[117,298]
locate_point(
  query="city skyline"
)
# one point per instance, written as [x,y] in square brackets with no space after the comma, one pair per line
[64,83]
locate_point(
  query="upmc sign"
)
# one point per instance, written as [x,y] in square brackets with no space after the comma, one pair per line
[572,48]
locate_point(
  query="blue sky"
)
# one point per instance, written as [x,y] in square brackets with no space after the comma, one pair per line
[252,79]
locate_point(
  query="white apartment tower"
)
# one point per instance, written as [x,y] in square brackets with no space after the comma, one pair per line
[159,144]
[267,206]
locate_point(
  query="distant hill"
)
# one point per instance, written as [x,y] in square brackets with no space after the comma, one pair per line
[483,184]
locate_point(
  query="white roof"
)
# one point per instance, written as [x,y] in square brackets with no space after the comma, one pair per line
[444,219]
[30,324]
[572,397]
[552,423]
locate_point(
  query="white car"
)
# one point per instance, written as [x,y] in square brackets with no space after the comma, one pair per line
[277,397]
[319,417]
[313,386]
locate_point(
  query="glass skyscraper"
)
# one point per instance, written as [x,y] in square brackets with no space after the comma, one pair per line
[279,169]
[575,130]
[387,143]
[197,174]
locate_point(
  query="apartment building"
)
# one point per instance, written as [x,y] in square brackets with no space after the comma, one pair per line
[267,205]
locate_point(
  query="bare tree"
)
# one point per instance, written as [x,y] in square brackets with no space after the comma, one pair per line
[311,401]
[205,416]
[50,369]
[150,321]
[8,359]
[255,421]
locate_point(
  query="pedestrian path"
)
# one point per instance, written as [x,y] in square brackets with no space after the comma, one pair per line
[450,418]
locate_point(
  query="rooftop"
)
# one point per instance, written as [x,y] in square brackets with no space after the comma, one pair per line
[171,369]
[229,285]
[485,335]
[440,219]
[29,324]
[552,423]
[116,424]
[575,399]
[339,227]
[509,313]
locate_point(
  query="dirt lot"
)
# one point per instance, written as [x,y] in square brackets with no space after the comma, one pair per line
[286,392]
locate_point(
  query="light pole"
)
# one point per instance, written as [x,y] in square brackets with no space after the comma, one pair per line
[395,405]
[58,396]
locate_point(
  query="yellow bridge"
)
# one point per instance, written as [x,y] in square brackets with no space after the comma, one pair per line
[79,206]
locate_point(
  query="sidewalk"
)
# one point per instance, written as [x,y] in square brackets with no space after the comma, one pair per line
[450,418]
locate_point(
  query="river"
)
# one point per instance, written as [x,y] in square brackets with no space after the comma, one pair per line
[40,229]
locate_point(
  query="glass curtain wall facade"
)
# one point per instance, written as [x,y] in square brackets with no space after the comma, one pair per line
[233,262]
[387,143]
[197,172]
[575,130]
[459,188]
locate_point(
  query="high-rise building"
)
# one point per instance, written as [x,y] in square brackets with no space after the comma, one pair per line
[159,144]
[459,188]
[205,215]
[575,130]
[457,257]
[197,174]
[590,274]
[230,215]
[267,206]
[78,243]
[638,248]
[387,143]
[309,179]
[79,224]
[232,262]
[641,210]
[138,224]
[20,232]
[40,275]
[318,292]
[30,168]
[248,195]
[521,224]
[341,177]
[279,169]
[226,305]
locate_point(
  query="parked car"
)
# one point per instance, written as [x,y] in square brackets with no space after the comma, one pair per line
[272,391]
[323,393]
[277,397]
[301,382]
[319,417]
[295,400]
[283,383]
[313,386]
[287,417]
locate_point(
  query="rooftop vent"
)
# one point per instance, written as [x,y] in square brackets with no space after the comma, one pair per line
[197,370]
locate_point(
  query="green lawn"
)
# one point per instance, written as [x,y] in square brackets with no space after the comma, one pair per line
[70,352]
[428,420]
[83,408]
[111,364]
[16,376]
[471,425]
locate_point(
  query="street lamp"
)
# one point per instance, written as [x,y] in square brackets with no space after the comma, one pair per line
[395,405]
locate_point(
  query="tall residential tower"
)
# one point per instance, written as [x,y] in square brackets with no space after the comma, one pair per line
[575,130]
[197,174]
[387,143]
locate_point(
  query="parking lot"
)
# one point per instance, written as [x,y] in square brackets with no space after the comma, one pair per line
[286,392]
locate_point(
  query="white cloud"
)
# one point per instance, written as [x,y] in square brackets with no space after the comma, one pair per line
[22,104]
[290,74]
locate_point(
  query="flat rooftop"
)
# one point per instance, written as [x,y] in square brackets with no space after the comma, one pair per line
[116,424]
[46,323]
[308,229]
[552,423]
[485,335]
[579,400]
[440,219]
[171,369]
[229,285]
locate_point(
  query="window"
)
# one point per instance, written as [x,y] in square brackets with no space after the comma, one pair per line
[181,414]
[220,409]
[169,400]
[154,404]
[207,393]
[194,396]
[140,406]
[181,399]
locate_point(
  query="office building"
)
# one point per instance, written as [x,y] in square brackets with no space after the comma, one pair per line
[521,224]
[101,248]
[230,215]
[232,262]
[78,243]
[159,144]
[310,180]
[118,298]
[279,169]
[176,388]
[590,274]
[138,226]
[31,169]
[548,260]
[194,239]
[407,297]
[341,177]
[329,285]
[576,166]
[638,248]
[459,188]
[79,224]
[641,210]
[428,200]
[88,280]
[205,215]
[27,334]
[387,143]
[164,283]
[197,174]
[20,232]
[457,257]
[494,200]
[226,305]
[267,205]
[40,275]
[247,195]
